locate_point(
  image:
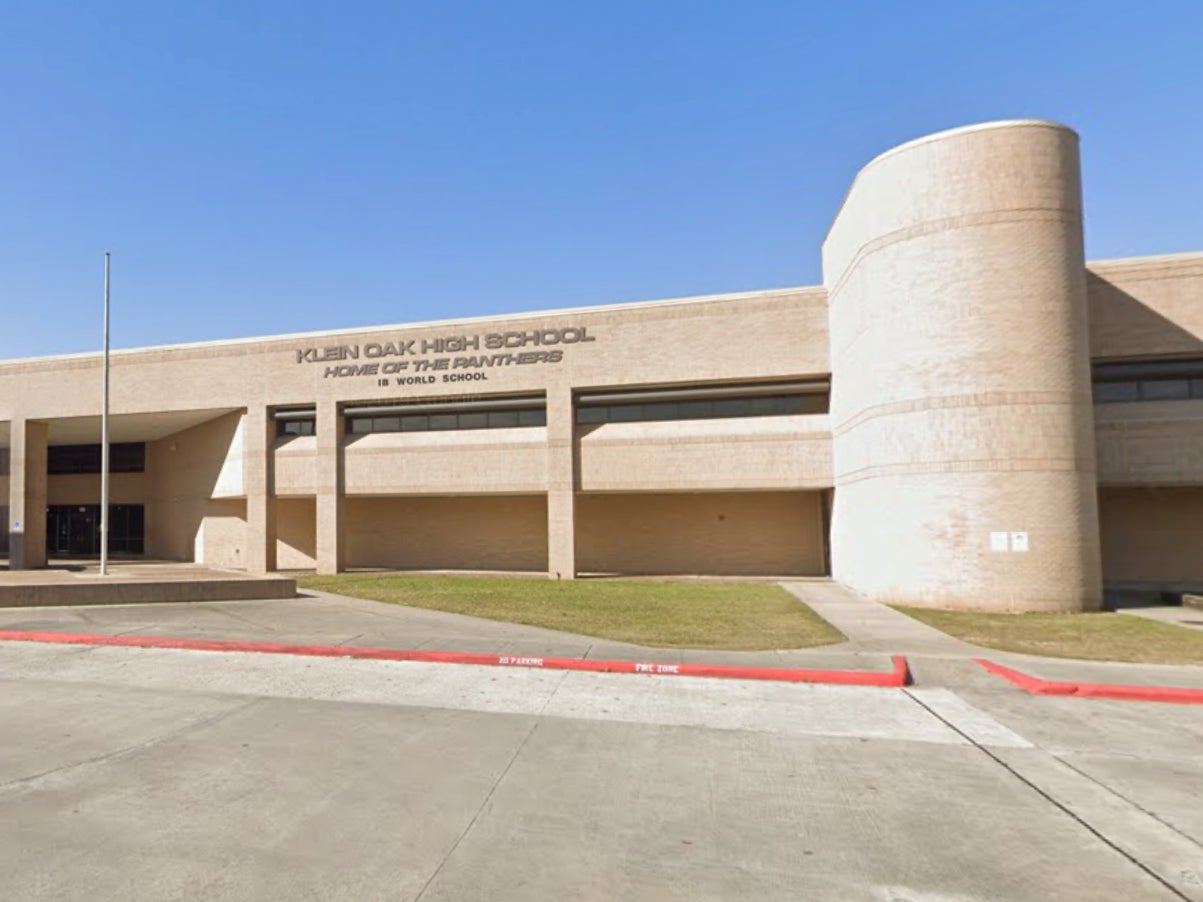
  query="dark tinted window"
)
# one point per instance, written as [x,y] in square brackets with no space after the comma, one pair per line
[1110,392]
[1165,389]
[704,409]
[123,458]
[532,417]
[502,419]
[447,421]
[1167,379]
[1148,390]
[295,427]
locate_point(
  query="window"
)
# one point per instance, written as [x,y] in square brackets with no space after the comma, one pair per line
[532,417]
[294,421]
[703,402]
[1111,392]
[1165,389]
[448,416]
[295,427]
[1172,379]
[127,457]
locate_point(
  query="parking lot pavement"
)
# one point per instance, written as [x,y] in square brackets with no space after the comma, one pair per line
[161,774]
[1148,753]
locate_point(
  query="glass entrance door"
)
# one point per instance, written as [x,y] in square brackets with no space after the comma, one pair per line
[73,530]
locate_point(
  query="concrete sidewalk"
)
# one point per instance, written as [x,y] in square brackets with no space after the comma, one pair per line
[319,618]
[871,627]
[939,659]
[1178,615]
[874,631]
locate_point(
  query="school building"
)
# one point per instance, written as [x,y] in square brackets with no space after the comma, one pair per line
[965,414]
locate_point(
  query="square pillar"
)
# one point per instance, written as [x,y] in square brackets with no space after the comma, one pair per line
[331,501]
[27,494]
[259,436]
[561,483]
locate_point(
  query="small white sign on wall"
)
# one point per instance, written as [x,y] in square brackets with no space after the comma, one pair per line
[999,541]
[1019,541]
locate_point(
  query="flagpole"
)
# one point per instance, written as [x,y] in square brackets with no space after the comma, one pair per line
[104,436]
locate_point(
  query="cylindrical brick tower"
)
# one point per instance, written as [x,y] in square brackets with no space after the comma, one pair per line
[963,433]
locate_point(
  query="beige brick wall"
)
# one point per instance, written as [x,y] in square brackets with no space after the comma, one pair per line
[1146,306]
[713,455]
[960,374]
[745,533]
[182,514]
[223,534]
[1150,443]
[708,455]
[296,533]
[294,465]
[84,488]
[452,533]
[447,463]
[1139,308]
[1152,535]
[744,336]
[4,518]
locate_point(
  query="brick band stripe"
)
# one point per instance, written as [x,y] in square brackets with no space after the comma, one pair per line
[1122,692]
[897,677]
[1018,216]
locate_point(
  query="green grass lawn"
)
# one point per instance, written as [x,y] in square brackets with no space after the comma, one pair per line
[1095,637]
[748,616]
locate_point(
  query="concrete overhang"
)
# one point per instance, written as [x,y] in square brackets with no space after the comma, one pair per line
[124,427]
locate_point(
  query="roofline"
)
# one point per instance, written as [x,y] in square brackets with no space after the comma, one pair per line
[425,324]
[1148,260]
[939,136]
[989,125]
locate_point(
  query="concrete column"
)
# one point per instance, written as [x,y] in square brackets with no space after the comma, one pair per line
[27,495]
[259,436]
[331,503]
[561,483]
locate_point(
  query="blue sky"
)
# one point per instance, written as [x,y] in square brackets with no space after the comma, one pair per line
[265,167]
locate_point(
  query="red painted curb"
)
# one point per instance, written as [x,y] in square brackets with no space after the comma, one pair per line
[1036,686]
[899,676]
